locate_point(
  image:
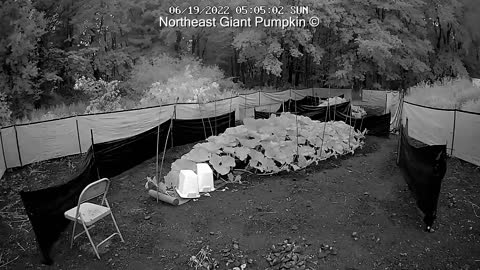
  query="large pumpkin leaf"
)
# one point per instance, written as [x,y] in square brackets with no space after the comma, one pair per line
[198,154]
[222,164]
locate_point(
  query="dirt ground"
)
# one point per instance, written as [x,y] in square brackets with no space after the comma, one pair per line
[359,205]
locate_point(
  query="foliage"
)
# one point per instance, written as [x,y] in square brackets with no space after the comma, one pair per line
[448,93]
[21,26]
[5,112]
[190,83]
[104,96]
[270,146]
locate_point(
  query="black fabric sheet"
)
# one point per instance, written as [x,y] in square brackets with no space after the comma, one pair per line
[265,115]
[377,125]
[424,168]
[189,131]
[314,112]
[114,157]
[45,208]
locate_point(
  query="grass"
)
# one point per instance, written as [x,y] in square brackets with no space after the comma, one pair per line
[457,93]
[54,112]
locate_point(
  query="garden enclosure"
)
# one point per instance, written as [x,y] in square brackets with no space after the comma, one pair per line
[29,143]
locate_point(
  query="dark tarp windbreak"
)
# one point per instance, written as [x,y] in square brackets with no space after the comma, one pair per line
[424,168]
[45,208]
[377,125]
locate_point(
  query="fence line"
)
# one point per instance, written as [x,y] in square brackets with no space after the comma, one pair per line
[88,121]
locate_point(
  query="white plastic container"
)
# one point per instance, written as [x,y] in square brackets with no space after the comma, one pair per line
[205,178]
[188,185]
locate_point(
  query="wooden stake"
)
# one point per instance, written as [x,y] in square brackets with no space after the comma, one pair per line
[158,145]
[454,124]
[78,134]
[18,146]
[93,153]
[3,150]
[245,106]
[201,117]
[230,111]
[296,123]
[215,112]
[349,115]
[174,116]
[324,127]
[164,150]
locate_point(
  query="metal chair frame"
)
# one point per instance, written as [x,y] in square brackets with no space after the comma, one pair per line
[85,196]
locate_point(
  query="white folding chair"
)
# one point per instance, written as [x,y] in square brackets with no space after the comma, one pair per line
[88,213]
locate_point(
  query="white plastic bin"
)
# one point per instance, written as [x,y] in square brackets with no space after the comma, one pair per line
[188,184]
[205,178]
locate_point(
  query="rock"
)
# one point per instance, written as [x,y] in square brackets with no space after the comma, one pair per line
[235,246]
[147,217]
[294,227]
[297,249]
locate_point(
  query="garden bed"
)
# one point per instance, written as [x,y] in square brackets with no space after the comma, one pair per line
[359,204]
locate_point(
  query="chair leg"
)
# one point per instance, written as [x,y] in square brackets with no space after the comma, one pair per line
[73,233]
[116,226]
[91,241]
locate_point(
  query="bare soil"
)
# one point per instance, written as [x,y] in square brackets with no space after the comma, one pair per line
[358,204]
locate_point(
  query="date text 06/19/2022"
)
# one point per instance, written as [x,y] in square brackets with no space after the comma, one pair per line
[227,21]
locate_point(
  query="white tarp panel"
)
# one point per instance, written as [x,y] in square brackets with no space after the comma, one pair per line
[112,126]
[300,93]
[247,104]
[393,102]
[211,109]
[376,98]
[269,107]
[47,140]
[429,126]
[467,134]
[10,147]
[277,97]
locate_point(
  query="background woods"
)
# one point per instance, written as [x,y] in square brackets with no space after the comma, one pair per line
[93,55]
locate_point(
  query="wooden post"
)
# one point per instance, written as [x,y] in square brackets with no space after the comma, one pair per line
[3,150]
[454,125]
[93,152]
[230,111]
[215,112]
[296,123]
[174,117]
[324,127]
[78,135]
[201,117]
[165,149]
[157,176]
[245,106]
[18,146]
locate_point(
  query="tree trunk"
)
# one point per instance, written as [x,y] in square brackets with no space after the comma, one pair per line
[356,90]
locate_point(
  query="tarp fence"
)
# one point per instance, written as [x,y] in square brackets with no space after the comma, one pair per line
[29,143]
[424,167]
[45,208]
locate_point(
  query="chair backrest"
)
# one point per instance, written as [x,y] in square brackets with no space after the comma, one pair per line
[94,190]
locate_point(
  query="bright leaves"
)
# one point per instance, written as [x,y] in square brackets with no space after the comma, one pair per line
[270,146]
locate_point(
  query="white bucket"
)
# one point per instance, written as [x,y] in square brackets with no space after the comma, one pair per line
[188,184]
[205,178]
